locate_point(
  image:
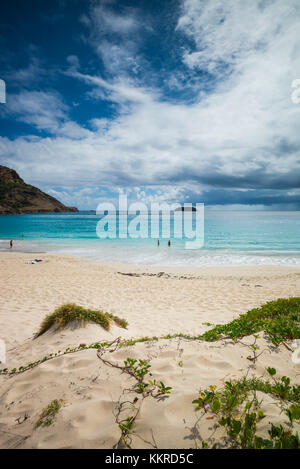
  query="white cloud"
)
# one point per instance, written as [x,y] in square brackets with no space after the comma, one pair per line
[108,21]
[118,58]
[29,75]
[114,37]
[225,33]
[73,61]
[121,91]
[45,111]
[243,135]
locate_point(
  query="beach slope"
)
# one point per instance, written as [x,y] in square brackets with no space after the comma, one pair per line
[94,393]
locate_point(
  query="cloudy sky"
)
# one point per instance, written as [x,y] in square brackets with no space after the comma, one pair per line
[174,100]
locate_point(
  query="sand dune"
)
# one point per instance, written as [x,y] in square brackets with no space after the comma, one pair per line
[180,300]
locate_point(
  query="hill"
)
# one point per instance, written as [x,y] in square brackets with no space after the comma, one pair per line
[17,197]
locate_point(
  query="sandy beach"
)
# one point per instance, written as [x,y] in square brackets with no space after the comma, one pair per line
[155,302]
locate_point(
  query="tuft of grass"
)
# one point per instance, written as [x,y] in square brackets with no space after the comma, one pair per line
[71,312]
[280,319]
[49,413]
[119,321]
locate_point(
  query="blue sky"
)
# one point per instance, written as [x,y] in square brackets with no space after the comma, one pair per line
[175,101]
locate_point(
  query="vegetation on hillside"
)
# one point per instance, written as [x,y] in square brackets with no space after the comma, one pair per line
[18,197]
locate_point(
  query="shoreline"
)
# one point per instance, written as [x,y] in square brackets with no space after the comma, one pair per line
[149,255]
[176,271]
[205,294]
[140,265]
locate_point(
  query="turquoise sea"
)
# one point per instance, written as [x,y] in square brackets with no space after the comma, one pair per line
[231,238]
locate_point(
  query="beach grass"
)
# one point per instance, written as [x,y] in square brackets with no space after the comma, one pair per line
[119,321]
[49,413]
[238,410]
[280,319]
[71,312]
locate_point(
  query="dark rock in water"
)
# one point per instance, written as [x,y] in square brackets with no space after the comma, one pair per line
[17,197]
[186,209]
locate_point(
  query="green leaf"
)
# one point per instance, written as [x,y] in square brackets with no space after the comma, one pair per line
[271,371]
[216,404]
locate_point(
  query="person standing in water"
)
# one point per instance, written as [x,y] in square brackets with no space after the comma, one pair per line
[169,243]
[11,243]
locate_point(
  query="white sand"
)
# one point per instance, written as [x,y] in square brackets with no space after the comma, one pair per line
[180,300]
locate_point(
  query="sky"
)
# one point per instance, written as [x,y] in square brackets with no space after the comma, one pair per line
[166,101]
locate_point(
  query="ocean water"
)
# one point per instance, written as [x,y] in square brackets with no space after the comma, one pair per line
[231,238]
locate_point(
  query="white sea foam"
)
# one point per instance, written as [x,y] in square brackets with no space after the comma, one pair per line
[144,254]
